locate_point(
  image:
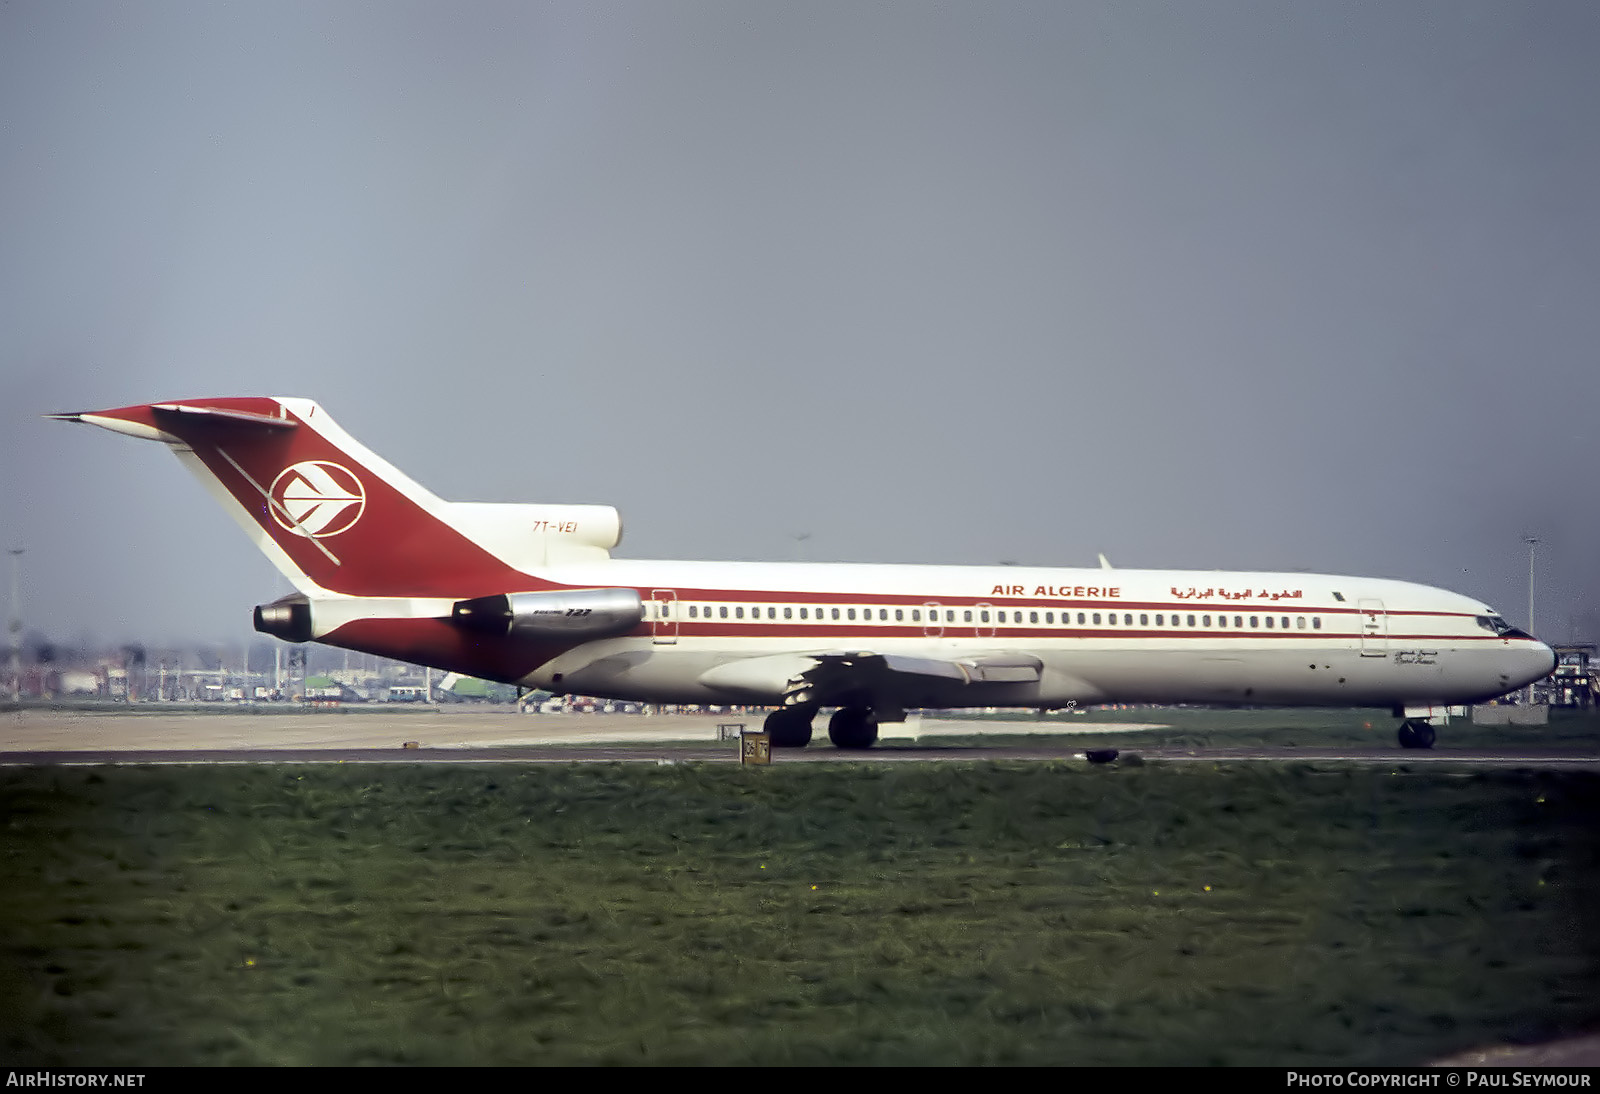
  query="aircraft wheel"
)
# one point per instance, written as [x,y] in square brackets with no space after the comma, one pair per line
[853,727]
[1414,734]
[788,728]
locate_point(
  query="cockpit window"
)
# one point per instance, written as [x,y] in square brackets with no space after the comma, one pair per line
[1495,624]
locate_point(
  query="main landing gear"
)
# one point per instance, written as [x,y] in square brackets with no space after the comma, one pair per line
[853,727]
[1416,733]
[850,727]
[789,727]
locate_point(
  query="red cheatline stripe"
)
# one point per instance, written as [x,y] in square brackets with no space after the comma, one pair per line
[718,628]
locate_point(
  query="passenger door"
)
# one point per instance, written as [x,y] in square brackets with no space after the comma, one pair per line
[664,625]
[1374,628]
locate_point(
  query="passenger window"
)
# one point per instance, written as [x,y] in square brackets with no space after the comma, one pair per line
[1316,622]
[1097,618]
[1191,621]
[967,616]
[850,613]
[788,613]
[1255,621]
[916,615]
[1222,621]
[691,611]
[723,611]
[1033,617]
[1080,619]
[836,613]
[1285,622]
[738,613]
[1160,622]
[1269,622]
[1205,621]
[1300,622]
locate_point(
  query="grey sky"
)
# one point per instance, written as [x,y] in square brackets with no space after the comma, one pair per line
[1221,285]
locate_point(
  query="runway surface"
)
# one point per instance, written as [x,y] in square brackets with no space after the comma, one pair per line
[462,729]
[491,735]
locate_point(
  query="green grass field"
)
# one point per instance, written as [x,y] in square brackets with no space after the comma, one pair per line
[949,913]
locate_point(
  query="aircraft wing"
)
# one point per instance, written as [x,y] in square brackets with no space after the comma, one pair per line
[836,677]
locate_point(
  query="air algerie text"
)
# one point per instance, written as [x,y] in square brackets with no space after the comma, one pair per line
[1098,592]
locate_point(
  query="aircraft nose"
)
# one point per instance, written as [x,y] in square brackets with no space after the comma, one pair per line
[1540,662]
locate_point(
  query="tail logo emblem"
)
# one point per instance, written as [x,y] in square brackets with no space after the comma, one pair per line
[316,499]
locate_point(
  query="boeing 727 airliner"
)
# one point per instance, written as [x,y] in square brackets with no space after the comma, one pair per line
[529,594]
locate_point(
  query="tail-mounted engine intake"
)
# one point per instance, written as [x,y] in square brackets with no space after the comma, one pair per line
[288,618]
[580,613]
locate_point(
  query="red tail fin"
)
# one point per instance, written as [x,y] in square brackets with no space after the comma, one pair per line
[331,514]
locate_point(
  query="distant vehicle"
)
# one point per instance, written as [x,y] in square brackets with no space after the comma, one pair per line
[529,595]
[78,682]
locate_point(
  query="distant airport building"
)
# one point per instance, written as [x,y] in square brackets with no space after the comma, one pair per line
[1574,681]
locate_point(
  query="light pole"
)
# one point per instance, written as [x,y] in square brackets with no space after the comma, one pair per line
[1532,543]
[16,628]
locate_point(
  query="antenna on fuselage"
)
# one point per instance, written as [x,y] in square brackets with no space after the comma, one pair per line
[1105,563]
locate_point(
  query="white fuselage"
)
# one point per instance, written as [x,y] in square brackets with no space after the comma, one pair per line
[1101,635]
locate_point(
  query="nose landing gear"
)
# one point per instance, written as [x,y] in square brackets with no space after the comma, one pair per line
[1416,733]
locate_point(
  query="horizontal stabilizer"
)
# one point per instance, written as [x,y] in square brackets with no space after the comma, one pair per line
[211,415]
